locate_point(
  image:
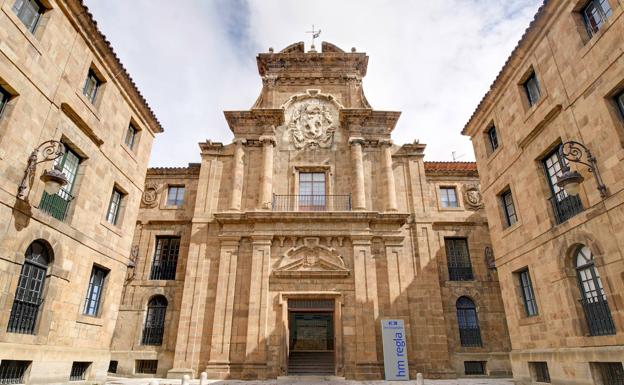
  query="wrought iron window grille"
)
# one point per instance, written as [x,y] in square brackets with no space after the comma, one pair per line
[611,373]
[164,264]
[146,366]
[12,372]
[540,371]
[458,258]
[474,368]
[79,371]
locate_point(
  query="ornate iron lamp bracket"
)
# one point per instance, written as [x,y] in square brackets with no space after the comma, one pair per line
[50,150]
[573,151]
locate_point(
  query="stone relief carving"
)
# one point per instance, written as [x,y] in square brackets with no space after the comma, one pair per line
[312,121]
[472,197]
[490,262]
[150,195]
[311,259]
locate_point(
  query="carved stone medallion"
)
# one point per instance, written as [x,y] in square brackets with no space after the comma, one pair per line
[312,123]
[311,260]
[150,195]
[472,197]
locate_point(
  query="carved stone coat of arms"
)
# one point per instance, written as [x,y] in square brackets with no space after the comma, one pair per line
[311,124]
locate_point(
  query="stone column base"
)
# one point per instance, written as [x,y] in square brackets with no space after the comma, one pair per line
[178,373]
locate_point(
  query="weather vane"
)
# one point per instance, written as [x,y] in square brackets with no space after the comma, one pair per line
[315,34]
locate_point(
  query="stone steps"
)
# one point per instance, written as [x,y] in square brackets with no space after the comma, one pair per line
[311,363]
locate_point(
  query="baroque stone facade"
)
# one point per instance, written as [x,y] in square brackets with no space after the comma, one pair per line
[568,319]
[62,264]
[301,235]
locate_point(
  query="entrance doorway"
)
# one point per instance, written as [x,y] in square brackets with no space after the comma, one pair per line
[311,337]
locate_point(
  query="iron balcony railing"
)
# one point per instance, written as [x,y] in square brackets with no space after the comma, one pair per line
[153,335]
[164,270]
[598,316]
[460,273]
[56,205]
[311,203]
[470,337]
[565,206]
[23,316]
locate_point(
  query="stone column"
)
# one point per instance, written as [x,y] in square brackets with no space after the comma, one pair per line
[266,180]
[367,303]
[359,194]
[224,306]
[386,164]
[238,170]
[256,346]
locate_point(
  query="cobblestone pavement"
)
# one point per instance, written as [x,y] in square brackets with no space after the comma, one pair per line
[316,381]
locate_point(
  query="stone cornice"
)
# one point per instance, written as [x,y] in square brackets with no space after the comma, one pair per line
[79,15]
[191,170]
[369,123]
[371,217]
[255,122]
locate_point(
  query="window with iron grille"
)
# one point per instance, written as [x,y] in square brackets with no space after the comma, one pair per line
[155,321]
[610,373]
[91,86]
[29,292]
[312,191]
[146,366]
[4,98]
[458,258]
[57,205]
[539,371]
[532,89]
[448,197]
[79,371]
[114,207]
[468,323]
[112,366]
[492,138]
[175,196]
[474,368]
[12,372]
[593,298]
[29,12]
[509,209]
[131,136]
[94,292]
[165,258]
[528,296]
[595,14]
[564,206]
[619,100]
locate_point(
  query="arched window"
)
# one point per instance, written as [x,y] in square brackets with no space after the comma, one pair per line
[29,293]
[155,321]
[469,332]
[593,297]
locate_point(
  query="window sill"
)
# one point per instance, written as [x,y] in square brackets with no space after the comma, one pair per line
[510,229]
[458,208]
[172,207]
[531,109]
[114,228]
[129,151]
[530,320]
[90,320]
[36,44]
[90,106]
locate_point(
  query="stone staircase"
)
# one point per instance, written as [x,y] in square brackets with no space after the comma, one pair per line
[311,364]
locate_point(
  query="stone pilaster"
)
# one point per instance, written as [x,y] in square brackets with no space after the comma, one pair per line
[367,302]
[386,164]
[266,180]
[223,308]
[238,171]
[359,193]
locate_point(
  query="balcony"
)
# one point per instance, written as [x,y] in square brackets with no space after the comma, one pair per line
[56,205]
[470,336]
[598,316]
[565,206]
[311,203]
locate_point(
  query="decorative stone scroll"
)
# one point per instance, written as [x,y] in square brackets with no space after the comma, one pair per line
[311,120]
[150,195]
[472,197]
[311,260]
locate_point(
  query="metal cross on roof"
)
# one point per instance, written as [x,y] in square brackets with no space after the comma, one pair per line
[315,34]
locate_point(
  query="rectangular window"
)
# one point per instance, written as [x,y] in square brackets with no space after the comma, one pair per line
[175,196]
[114,207]
[79,371]
[532,89]
[57,205]
[458,257]
[564,206]
[29,12]
[492,138]
[92,83]
[595,13]
[94,292]
[165,258]
[131,136]
[610,373]
[528,296]
[448,197]
[539,371]
[112,366]
[12,372]
[4,99]
[312,192]
[474,367]
[146,366]
[508,208]
[619,99]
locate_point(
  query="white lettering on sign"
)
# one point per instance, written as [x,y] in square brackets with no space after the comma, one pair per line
[395,350]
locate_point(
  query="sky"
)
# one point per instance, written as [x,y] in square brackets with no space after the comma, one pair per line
[432,60]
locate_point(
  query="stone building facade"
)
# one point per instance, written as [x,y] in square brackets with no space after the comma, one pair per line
[559,255]
[63,256]
[282,252]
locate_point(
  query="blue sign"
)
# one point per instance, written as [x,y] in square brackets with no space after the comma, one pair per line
[395,350]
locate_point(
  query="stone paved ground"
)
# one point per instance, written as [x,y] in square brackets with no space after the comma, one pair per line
[461,381]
